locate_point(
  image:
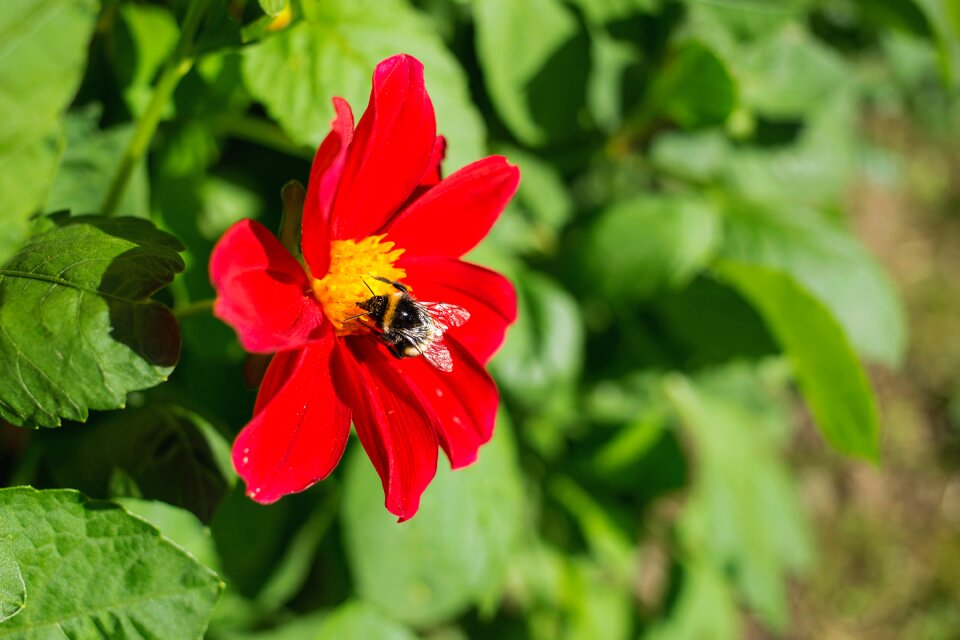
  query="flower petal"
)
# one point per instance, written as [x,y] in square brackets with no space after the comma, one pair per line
[262,291]
[488,296]
[393,427]
[433,174]
[452,217]
[462,404]
[322,189]
[390,152]
[299,429]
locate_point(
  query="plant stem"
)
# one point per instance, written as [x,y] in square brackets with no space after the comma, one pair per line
[177,66]
[192,309]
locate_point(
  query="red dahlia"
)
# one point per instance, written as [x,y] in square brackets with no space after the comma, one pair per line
[376,211]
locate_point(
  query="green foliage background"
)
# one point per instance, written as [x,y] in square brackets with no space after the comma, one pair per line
[681,250]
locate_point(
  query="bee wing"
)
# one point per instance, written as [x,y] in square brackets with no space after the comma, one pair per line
[436,353]
[446,315]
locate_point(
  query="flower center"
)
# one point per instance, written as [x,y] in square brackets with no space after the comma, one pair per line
[352,267]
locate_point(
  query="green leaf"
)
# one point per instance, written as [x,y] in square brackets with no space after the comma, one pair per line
[511,59]
[813,250]
[333,51]
[649,243]
[88,165]
[694,89]
[790,73]
[78,330]
[94,571]
[177,525]
[748,19]
[283,534]
[744,514]
[904,15]
[273,7]
[610,60]
[145,40]
[698,156]
[43,47]
[830,377]
[705,608]
[544,348]
[468,524]
[352,620]
[13,591]
[168,453]
[538,214]
[816,171]
[602,11]
[359,620]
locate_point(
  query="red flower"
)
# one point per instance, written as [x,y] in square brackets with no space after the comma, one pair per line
[375,205]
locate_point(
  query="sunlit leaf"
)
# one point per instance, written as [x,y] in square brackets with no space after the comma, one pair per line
[148,36]
[814,250]
[177,525]
[13,591]
[333,52]
[648,243]
[544,349]
[512,60]
[704,608]
[42,49]
[789,74]
[94,571]
[78,330]
[831,378]
[89,163]
[351,620]
[743,513]
[468,524]
[273,7]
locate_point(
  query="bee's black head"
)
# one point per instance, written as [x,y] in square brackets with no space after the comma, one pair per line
[375,306]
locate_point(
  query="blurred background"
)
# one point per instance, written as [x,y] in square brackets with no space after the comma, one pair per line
[731,401]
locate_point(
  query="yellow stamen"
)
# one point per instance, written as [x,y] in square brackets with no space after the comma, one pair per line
[352,265]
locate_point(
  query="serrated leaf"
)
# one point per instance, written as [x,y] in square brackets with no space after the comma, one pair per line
[94,571]
[828,373]
[13,591]
[467,526]
[42,46]
[511,59]
[333,51]
[178,526]
[78,330]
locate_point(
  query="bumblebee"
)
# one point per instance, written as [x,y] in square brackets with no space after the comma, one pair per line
[409,327]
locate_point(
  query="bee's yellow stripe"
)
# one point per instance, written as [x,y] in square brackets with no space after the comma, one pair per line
[392,301]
